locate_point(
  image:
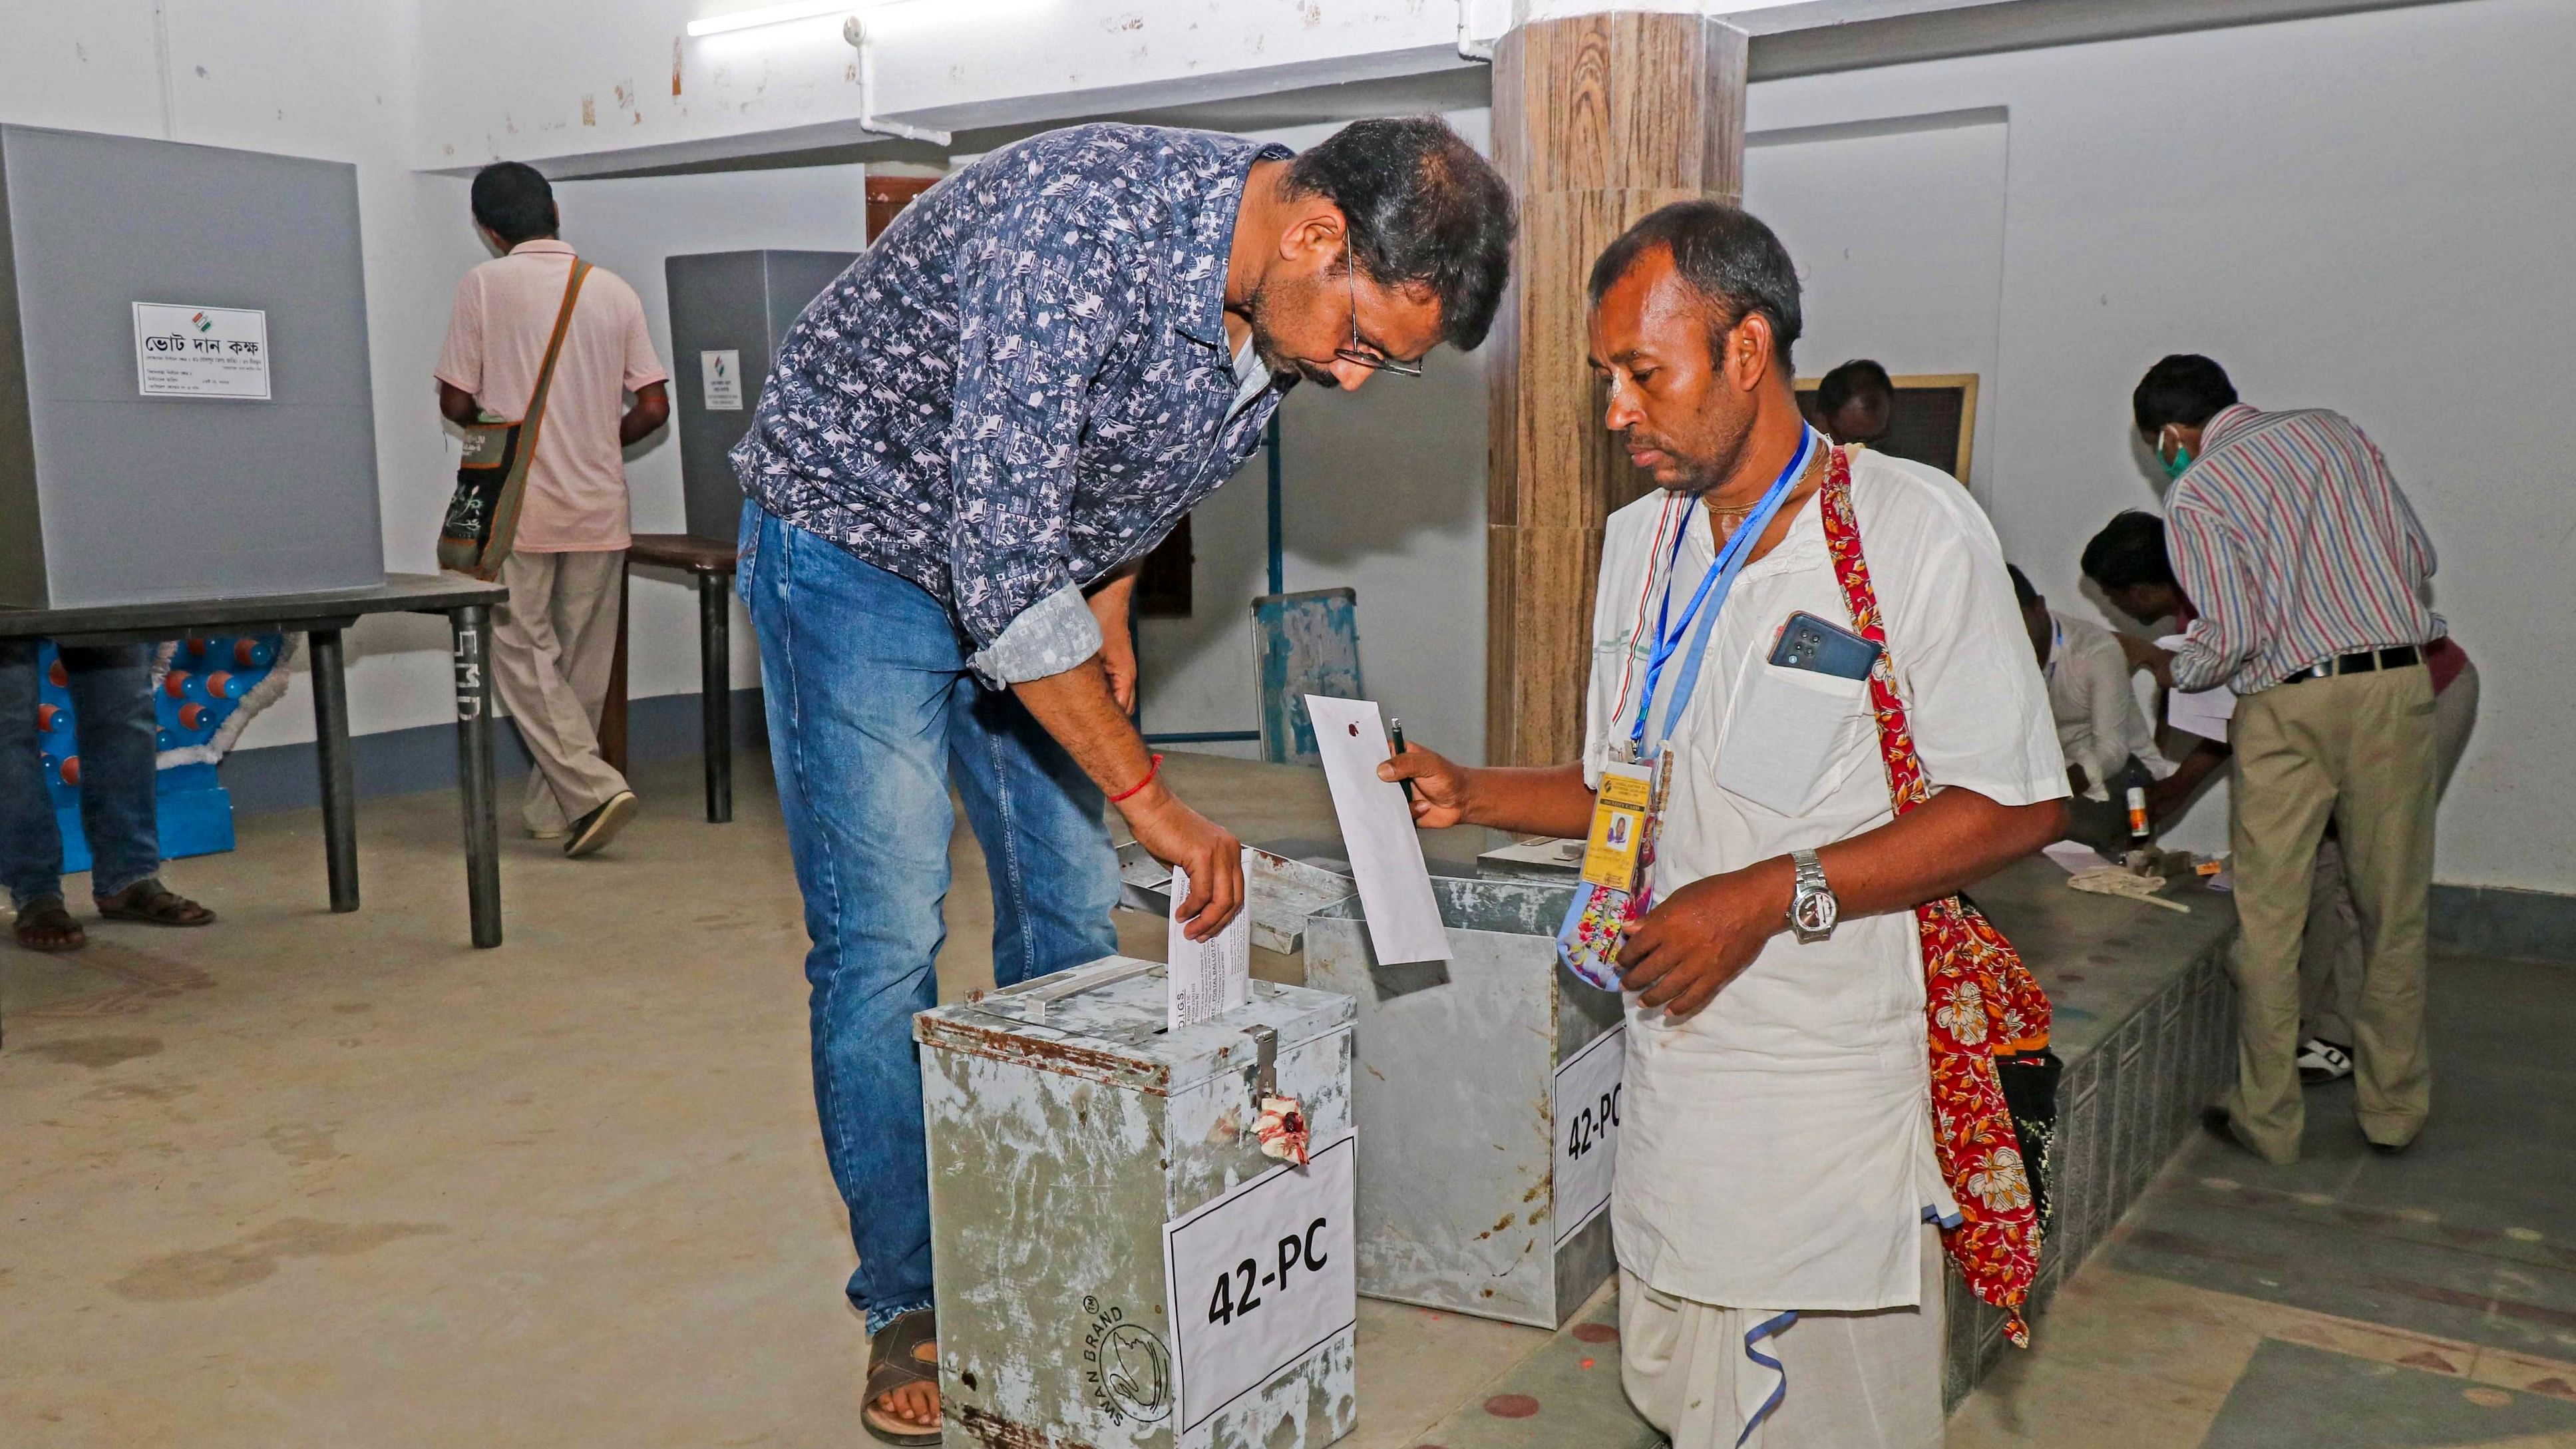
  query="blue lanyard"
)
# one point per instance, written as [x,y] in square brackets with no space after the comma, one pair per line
[1718,581]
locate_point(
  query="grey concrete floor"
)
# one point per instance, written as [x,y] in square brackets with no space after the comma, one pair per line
[312,1180]
[305,1179]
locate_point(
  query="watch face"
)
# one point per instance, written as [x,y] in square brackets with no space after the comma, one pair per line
[1814,912]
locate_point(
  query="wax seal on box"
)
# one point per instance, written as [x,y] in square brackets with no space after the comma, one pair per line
[1281,1128]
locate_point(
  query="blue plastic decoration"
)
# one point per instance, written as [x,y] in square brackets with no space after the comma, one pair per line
[204,690]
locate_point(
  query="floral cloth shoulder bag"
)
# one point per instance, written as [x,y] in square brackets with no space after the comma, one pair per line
[1993,1077]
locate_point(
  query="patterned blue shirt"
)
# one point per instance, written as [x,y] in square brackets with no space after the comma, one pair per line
[1023,384]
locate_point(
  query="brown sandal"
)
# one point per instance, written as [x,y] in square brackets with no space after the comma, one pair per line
[47,915]
[895,1362]
[153,904]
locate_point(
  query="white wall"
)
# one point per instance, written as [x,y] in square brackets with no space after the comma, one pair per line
[2367,212]
[581,81]
[1384,492]
[1899,236]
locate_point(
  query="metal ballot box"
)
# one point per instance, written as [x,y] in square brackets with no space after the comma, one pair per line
[1488,1095]
[1281,893]
[1120,1266]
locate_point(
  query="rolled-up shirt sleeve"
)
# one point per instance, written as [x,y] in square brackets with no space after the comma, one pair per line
[2212,575]
[1035,320]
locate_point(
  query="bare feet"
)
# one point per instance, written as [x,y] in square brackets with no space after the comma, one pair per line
[43,925]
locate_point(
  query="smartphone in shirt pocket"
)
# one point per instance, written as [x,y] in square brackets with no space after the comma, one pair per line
[1795,712]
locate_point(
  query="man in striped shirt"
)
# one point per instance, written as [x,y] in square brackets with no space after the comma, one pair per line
[2310,572]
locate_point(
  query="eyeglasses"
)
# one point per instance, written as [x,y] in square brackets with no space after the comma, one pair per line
[1360,354]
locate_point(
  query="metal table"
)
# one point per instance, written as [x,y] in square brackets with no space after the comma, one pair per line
[467,604]
[711,566]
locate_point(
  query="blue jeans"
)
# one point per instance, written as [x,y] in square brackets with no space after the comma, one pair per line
[872,716]
[111,689]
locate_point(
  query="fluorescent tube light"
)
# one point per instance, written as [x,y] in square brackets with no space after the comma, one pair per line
[774,14]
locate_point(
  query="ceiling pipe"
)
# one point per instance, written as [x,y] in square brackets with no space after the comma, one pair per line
[855,31]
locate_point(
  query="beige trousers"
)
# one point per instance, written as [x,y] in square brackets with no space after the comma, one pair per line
[2330,956]
[1853,1380]
[2356,749]
[552,646]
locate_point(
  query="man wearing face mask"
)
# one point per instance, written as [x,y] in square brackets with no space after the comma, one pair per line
[967,443]
[1780,1280]
[2310,572]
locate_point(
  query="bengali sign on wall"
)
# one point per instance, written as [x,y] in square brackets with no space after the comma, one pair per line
[187,351]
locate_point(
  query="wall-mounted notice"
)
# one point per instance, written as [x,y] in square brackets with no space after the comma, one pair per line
[185,351]
[720,379]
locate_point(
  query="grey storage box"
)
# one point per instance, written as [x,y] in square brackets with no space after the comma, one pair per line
[1066,1128]
[729,311]
[1487,1103]
[185,410]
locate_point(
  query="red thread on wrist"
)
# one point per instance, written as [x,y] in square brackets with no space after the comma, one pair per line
[1151,771]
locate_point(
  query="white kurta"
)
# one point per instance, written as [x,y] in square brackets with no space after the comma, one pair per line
[1775,1150]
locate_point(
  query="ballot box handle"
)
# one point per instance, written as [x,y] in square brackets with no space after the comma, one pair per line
[1045,991]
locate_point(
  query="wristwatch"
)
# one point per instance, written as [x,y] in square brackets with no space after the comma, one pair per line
[1813,910]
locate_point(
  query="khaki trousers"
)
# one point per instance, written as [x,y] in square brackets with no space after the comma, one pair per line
[2330,957]
[552,646]
[2356,749]
[1852,1380]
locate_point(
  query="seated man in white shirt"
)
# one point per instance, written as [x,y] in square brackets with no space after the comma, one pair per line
[2108,743]
[1776,1166]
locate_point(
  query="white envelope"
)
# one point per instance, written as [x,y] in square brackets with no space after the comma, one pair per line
[1377,833]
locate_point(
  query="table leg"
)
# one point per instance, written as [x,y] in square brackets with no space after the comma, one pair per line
[472,627]
[612,708]
[715,685]
[339,783]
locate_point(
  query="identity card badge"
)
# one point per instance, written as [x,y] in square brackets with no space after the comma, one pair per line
[1618,826]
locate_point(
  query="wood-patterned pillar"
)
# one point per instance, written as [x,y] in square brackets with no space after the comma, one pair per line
[1598,120]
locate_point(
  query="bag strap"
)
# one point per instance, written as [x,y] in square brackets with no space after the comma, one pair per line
[1978,996]
[535,419]
[1905,784]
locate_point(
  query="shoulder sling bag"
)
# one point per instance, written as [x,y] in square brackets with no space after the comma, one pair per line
[492,477]
[1993,1077]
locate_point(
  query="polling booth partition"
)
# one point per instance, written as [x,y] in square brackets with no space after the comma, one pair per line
[187,439]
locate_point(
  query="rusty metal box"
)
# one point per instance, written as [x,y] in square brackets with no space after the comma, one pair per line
[1067,1128]
[1487,1095]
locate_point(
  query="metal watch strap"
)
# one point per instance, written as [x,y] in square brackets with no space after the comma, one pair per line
[1811,884]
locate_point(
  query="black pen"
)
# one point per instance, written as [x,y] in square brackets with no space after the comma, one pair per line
[1398,726]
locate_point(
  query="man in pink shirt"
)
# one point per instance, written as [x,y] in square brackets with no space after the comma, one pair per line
[552,644]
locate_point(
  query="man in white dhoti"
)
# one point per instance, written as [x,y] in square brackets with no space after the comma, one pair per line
[1779,1276]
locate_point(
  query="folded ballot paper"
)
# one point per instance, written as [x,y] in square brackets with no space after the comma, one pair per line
[1377,833]
[1207,978]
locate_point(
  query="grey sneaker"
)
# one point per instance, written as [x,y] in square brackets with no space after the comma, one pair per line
[600,826]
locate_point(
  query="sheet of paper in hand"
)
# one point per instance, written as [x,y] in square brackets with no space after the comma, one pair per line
[2202,712]
[1377,833]
[1211,976]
